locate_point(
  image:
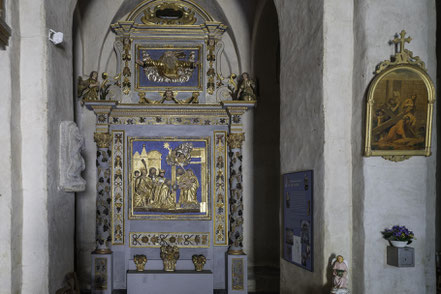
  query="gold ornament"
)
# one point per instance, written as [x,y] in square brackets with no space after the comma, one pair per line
[235,140]
[199,262]
[169,256]
[102,140]
[140,261]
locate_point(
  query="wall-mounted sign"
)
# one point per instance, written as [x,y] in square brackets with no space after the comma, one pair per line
[298,219]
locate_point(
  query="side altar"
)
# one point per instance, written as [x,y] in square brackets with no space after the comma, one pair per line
[169,135]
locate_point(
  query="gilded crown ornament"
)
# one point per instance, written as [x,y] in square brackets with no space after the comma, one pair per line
[169,256]
[102,140]
[140,262]
[199,262]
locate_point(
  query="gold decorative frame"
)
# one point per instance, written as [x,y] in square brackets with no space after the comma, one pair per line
[205,179]
[220,190]
[400,100]
[118,189]
[180,239]
[174,86]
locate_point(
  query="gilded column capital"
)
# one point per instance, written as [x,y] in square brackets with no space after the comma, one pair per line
[235,140]
[102,140]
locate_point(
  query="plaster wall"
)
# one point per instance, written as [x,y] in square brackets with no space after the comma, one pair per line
[337,101]
[6,177]
[393,193]
[302,122]
[34,127]
[60,102]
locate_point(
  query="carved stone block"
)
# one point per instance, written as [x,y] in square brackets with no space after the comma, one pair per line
[71,163]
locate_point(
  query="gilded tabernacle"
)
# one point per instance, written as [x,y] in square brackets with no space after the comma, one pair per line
[169,178]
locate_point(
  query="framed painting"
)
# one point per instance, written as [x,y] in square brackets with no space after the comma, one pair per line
[400,107]
[160,68]
[169,178]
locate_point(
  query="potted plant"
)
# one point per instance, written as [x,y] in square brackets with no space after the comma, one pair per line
[398,236]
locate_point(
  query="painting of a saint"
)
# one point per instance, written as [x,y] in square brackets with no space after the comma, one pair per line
[400,113]
[169,178]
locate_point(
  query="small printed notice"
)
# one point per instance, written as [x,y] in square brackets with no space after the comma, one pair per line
[297,219]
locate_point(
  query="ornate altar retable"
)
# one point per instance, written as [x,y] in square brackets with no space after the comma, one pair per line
[169,137]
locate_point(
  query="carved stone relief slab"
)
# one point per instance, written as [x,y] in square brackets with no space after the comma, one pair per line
[71,163]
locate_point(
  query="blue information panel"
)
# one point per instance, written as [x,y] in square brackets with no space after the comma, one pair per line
[298,219]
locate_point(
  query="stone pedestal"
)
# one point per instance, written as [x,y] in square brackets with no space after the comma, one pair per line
[237,274]
[102,273]
[160,282]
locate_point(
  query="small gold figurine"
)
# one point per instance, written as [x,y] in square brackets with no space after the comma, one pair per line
[140,261]
[169,256]
[247,89]
[199,262]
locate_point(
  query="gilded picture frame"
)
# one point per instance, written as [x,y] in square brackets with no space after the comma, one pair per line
[399,111]
[169,178]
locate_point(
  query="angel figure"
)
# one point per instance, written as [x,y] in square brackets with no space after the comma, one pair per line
[247,89]
[340,275]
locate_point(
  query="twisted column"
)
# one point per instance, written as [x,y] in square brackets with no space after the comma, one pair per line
[103,199]
[236,192]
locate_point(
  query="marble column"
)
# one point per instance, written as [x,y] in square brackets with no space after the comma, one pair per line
[236,193]
[103,200]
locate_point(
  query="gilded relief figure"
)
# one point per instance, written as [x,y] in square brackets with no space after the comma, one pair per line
[172,67]
[188,184]
[89,89]
[166,180]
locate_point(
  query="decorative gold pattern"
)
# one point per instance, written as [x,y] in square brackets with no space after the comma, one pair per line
[169,95]
[140,262]
[211,58]
[118,156]
[235,140]
[169,256]
[169,14]
[158,239]
[126,57]
[199,262]
[100,282]
[102,140]
[220,201]
[200,120]
[396,158]
[237,274]
[404,56]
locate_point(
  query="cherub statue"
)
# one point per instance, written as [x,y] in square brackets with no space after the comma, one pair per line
[247,89]
[340,275]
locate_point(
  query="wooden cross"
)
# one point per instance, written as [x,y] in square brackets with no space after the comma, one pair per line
[402,40]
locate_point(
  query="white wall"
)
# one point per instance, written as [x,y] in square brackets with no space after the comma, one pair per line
[355,197]
[302,122]
[394,193]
